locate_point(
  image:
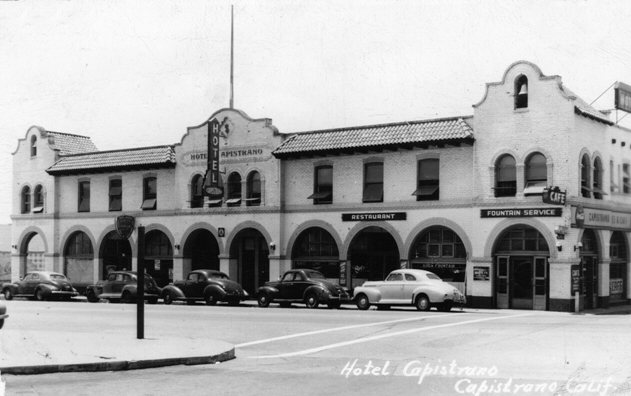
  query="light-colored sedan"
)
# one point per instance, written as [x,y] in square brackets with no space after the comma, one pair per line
[420,288]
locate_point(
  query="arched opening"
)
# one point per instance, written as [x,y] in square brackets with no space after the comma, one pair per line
[250,251]
[536,174]
[505,177]
[201,251]
[159,257]
[521,92]
[373,254]
[254,189]
[197,194]
[585,182]
[441,251]
[619,254]
[79,260]
[34,250]
[521,270]
[26,199]
[316,249]
[589,271]
[115,253]
[234,189]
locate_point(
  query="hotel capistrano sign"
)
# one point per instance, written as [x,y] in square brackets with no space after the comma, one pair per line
[200,157]
[595,218]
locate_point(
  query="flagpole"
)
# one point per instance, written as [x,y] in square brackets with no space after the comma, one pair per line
[232,56]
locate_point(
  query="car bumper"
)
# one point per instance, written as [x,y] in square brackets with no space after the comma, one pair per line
[63,293]
[341,299]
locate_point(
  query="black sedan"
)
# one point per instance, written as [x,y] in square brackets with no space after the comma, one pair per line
[41,285]
[208,285]
[122,286]
[302,286]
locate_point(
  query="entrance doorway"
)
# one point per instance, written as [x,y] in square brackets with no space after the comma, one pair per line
[521,268]
[373,255]
[589,271]
[252,253]
[521,282]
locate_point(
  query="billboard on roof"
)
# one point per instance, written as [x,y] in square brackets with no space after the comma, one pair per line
[623,97]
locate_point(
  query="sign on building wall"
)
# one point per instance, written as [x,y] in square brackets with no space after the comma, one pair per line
[125,225]
[595,218]
[576,279]
[516,212]
[623,97]
[481,274]
[211,180]
[374,216]
[554,196]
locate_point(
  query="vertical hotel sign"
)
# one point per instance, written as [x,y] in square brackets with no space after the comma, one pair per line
[211,181]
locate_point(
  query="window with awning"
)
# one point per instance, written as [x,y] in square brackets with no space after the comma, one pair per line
[116,195]
[428,183]
[323,185]
[373,182]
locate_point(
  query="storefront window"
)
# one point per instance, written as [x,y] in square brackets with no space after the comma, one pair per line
[441,251]
[618,267]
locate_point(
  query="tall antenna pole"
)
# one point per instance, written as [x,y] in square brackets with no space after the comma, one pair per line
[232,56]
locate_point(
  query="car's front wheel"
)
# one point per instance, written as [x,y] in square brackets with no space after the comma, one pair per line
[263,300]
[127,299]
[168,299]
[312,301]
[7,294]
[211,299]
[362,302]
[92,297]
[39,295]
[422,303]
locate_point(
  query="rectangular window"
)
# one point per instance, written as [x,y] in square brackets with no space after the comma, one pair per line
[373,182]
[428,182]
[612,180]
[84,196]
[626,187]
[116,195]
[150,193]
[323,186]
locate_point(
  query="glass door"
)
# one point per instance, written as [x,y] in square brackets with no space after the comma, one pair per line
[502,290]
[540,292]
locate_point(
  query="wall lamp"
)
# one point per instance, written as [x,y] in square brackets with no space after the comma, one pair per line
[272,246]
[177,247]
[559,246]
[578,246]
[14,246]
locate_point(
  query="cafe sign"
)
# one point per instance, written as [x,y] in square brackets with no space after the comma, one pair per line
[554,196]
[125,225]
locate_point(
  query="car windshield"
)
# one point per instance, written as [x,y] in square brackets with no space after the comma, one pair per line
[433,276]
[315,275]
[57,277]
[219,276]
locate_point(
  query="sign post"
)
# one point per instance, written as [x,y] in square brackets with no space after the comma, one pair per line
[140,289]
[125,227]
[576,285]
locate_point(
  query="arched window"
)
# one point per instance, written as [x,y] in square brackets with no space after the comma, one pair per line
[26,199]
[234,189]
[254,189]
[33,146]
[79,259]
[158,244]
[585,190]
[521,92]
[536,174]
[38,204]
[316,249]
[505,177]
[597,180]
[197,196]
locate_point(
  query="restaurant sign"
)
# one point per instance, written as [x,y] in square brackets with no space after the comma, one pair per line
[374,216]
[530,212]
[595,218]
[554,196]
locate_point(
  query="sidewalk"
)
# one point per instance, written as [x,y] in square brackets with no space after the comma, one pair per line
[40,352]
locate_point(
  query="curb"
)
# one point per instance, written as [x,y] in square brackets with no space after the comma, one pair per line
[118,365]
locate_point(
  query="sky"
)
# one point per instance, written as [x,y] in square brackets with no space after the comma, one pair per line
[138,73]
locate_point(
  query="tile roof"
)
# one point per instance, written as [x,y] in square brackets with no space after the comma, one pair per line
[107,161]
[401,134]
[68,144]
[585,109]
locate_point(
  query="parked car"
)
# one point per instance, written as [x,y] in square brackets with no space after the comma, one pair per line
[208,285]
[122,286]
[3,313]
[41,285]
[302,286]
[420,288]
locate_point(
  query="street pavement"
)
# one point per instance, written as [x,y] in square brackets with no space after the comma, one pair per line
[40,351]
